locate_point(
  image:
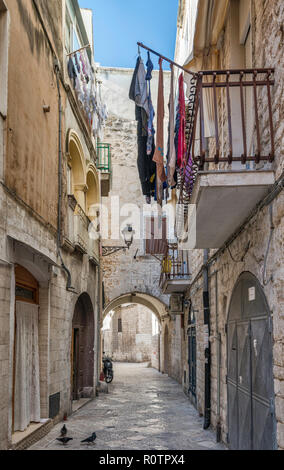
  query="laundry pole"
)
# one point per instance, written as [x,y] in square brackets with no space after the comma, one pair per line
[140,44]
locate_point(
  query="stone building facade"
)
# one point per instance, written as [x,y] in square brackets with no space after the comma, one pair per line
[244,273]
[49,266]
[131,335]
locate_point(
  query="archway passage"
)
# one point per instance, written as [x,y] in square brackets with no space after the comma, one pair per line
[131,334]
[251,421]
[153,303]
[82,349]
[158,309]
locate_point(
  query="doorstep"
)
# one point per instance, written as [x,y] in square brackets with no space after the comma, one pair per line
[77,404]
[21,440]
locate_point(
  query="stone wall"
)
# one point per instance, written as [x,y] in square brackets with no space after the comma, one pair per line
[28,208]
[5,273]
[264,259]
[30,56]
[55,314]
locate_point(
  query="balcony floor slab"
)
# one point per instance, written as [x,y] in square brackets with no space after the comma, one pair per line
[224,199]
[171,286]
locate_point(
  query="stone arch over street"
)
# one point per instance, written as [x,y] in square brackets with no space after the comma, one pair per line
[158,307]
[155,305]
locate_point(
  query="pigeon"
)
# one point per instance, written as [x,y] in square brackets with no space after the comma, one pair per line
[90,439]
[63,431]
[64,440]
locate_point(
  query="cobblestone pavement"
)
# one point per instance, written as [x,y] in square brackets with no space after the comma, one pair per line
[143,410]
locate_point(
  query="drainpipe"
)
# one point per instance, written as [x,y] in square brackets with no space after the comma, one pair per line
[207,351]
[218,339]
[99,362]
[59,204]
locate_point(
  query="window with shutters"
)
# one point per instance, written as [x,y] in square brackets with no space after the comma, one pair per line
[156,240]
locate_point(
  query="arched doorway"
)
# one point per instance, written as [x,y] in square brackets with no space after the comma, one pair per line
[26,378]
[82,349]
[251,420]
[166,351]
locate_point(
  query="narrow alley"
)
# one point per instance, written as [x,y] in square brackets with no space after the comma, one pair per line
[141,226]
[143,410]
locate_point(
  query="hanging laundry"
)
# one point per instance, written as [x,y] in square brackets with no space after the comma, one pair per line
[139,94]
[72,71]
[88,68]
[82,60]
[79,89]
[145,164]
[150,130]
[171,147]
[77,63]
[150,68]
[181,133]
[138,87]
[159,152]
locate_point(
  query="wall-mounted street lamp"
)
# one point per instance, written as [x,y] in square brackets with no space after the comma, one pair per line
[128,233]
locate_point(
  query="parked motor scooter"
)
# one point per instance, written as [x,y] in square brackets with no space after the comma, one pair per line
[107,368]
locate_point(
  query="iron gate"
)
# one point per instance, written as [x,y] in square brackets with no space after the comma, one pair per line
[251,418]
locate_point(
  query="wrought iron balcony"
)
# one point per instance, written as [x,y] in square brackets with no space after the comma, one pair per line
[175,273]
[81,226]
[83,239]
[227,169]
[104,166]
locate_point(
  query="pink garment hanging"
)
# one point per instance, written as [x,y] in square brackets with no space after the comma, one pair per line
[172,150]
[181,135]
[159,151]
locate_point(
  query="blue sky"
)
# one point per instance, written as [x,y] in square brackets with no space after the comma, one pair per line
[119,24]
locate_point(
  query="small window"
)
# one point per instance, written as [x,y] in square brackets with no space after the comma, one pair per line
[119,325]
[25,293]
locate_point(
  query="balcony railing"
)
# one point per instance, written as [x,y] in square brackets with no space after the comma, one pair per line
[230,147]
[81,226]
[174,270]
[104,157]
[84,239]
[229,124]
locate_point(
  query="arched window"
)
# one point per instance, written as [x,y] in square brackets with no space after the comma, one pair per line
[92,194]
[77,169]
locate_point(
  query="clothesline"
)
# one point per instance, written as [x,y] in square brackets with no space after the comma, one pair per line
[78,50]
[140,44]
